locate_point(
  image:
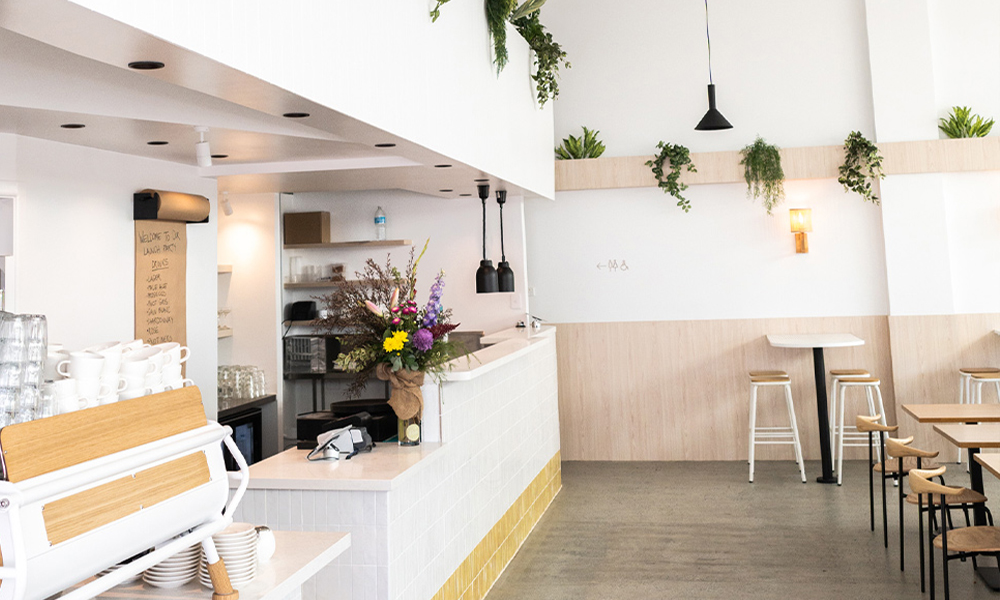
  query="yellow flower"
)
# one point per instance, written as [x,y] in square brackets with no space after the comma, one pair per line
[395,343]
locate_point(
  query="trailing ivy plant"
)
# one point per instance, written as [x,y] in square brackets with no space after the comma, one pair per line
[573,147]
[862,164]
[961,123]
[763,173]
[677,157]
[548,54]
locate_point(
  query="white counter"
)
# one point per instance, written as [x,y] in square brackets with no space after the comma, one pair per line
[386,467]
[501,348]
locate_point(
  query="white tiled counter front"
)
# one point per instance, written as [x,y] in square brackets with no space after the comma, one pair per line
[415,514]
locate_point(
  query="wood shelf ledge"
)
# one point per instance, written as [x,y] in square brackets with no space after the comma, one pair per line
[225,269]
[361,244]
[306,285]
[807,162]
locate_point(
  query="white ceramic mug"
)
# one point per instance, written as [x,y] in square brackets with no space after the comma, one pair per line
[152,354]
[91,389]
[134,345]
[178,384]
[171,372]
[112,353]
[131,394]
[131,384]
[68,404]
[63,388]
[156,389]
[109,399]
[52,360]
[82,365]
[177,354]
[136,368]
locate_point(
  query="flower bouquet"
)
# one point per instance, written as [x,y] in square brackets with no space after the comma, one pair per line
[384,331]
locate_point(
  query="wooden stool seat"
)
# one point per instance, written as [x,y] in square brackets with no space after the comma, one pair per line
[972,539]
[909,463]
[860,381]
[865,424]
[770,380]
[986,376]
[974,370]
[966,496]
[768,374]
[849,372]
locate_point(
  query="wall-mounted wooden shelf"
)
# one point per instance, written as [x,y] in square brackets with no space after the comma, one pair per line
[362,244]
[305,285]
[811,162]
[225,269]
[225,332]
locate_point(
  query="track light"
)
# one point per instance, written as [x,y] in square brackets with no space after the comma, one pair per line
[201,149]
[227,208]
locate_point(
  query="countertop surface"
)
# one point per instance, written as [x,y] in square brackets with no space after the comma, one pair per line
[501,348]
[382,469]
[298,556]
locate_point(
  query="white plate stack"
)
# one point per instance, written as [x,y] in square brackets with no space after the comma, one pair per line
[237,546]
[176,570]
[114,568]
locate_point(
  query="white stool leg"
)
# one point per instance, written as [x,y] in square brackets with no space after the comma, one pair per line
[840,444]
[753,426]
[795,431]
[997,384]
[872,412]
[833,410]
[963,384]
[881,411]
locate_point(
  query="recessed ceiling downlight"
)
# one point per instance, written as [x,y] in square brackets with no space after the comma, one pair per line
[72,125]
[385,145]
[442,166]
[446,191]
[157,143]
[481,180]
[220,156]
[146,65]
[295,115]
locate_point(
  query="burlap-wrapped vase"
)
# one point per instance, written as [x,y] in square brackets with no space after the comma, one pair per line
[406,400]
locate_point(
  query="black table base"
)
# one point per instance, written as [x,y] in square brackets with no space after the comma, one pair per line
[823,409]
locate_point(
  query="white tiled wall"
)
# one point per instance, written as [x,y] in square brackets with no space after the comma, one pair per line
[499,431]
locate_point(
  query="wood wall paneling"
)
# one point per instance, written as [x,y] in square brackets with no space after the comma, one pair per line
[678,390]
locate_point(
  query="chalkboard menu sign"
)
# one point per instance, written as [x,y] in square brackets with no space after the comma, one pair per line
[161,282]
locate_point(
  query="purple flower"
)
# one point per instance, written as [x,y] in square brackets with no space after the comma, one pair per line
[434,308]
[423,339]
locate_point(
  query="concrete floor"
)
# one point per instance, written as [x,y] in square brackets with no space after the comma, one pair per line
[686,530]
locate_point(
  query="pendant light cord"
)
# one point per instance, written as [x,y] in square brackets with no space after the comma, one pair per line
[708,36]
[484,229]
[503,255]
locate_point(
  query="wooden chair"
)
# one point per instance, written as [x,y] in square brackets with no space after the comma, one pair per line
[774,435]
[89,489]
[967,542]
[905,458]
[872,392]
[965,395]
[871,426]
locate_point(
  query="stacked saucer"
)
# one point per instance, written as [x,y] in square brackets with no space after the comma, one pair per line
[176,570]
[237,546]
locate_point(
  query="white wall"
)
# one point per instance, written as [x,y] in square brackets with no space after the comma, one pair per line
[794,72]
[382,62]
[75,248]
[726,259]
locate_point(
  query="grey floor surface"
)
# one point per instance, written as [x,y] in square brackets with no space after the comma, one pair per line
[689,530]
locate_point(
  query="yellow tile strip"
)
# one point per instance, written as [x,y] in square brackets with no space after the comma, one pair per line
[480,570]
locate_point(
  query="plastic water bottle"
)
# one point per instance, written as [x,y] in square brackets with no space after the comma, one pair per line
[379,224]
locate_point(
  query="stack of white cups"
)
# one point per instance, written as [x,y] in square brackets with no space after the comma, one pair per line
[85,368]
[176,355]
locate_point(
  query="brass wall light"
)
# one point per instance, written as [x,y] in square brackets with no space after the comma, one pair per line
[802,224]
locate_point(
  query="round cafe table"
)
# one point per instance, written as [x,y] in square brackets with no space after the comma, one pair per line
[819,341]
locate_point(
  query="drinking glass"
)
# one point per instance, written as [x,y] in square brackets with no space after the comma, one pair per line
[10,374]
[8,399]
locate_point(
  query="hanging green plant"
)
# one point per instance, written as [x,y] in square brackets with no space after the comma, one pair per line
[549,55]
[497,12]
[678,157]
[436,11]
[862,164]
[762,171]
[573,148]
[961,123]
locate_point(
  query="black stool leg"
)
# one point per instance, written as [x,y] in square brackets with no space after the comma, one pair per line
[900,476]
[944,548]
[885,510]
[920,536]
[871,481]
[930,544]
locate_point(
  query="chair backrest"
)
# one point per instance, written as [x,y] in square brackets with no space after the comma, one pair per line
[866,424]
[901,448]
[920,482]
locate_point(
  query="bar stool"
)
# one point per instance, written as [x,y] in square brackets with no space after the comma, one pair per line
[905,458]
[979,379]
[774,435]
[965,388]
[871,425]
[872,391]
[836,376]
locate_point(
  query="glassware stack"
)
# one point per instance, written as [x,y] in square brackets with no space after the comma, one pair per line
[241,382]
[23,347]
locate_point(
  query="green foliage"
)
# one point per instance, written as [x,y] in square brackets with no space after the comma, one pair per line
[548,53]
[574,147]
[497,12]
[678,156]
[436,11]
[763,173]
[961,123]
[525,9]
[862,163]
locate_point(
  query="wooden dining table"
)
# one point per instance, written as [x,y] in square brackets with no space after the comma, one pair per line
[819,341]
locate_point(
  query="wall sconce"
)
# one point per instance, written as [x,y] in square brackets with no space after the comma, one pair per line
[802,223]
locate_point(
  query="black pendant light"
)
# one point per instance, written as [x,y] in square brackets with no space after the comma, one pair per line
[486,275]
[504,272]
[713,119]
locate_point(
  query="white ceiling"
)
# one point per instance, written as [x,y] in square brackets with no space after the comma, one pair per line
[123,109]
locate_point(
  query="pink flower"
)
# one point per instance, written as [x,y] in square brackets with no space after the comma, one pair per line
[394,299]
[396,321]
[371,306]
[394,309]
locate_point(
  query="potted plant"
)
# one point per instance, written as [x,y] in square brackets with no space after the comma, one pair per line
[961,123]
[387,334]
[763,173]
[587,146]
[862,164]
[677,157]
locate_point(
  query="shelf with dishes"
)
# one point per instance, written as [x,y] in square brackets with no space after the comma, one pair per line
[359,244]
